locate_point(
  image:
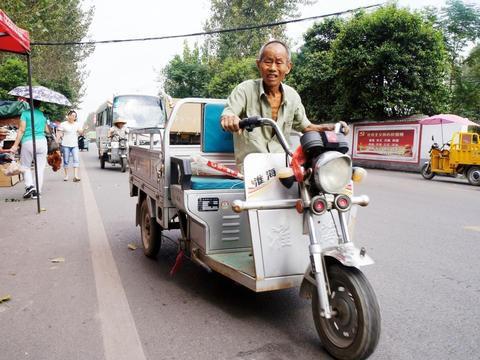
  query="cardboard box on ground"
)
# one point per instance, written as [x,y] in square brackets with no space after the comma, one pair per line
[5,180]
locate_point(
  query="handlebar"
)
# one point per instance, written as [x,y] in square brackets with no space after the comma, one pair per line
[256,121]
[250,123]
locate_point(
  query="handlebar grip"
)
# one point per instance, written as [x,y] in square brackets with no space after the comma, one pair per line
[250,123]
[339,129]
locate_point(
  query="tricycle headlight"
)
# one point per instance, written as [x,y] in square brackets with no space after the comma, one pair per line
[332,171]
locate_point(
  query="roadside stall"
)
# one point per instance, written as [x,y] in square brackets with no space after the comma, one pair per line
[16,40]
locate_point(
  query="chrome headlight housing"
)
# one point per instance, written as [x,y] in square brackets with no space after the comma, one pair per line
[332,171]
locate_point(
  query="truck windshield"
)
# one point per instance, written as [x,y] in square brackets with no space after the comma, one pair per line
[140,111]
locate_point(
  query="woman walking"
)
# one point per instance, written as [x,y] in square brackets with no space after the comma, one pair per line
[24,135]
[68,131]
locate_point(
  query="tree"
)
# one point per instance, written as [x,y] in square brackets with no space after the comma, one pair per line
[313,74]
[230,73]
[59,67]
[227,59]
[388,63]
[460,26]
[186,75]
[466,97]
[238,13]
[13,73]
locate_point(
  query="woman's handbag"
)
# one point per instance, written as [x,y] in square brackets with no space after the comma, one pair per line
[52,144]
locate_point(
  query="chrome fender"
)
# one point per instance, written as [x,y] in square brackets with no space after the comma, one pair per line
[346,254]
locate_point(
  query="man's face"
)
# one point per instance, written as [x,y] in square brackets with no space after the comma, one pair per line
[274,65]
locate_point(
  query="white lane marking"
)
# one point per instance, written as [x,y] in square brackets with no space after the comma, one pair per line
[120,336]
[472,228]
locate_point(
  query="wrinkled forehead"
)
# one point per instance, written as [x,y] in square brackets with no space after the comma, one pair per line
[275,51]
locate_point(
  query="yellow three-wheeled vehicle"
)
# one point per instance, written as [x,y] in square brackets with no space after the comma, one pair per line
[459,156]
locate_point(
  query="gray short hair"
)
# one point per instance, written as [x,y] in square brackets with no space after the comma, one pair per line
[262,49]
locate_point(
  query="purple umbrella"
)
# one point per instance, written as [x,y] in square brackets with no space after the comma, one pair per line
[446,119]
[41,93]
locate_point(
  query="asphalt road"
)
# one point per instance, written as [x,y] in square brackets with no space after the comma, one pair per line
[105,301]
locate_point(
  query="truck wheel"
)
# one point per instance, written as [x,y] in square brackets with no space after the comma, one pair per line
[150,232]
[427,172]
[473,175]
[354,330]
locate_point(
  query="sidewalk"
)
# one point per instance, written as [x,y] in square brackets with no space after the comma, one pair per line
[46,269]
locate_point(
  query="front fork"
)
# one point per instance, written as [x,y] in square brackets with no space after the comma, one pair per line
[318,268]
[316,257]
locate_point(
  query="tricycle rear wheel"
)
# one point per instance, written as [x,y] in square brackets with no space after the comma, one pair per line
[427,172]
[123,164]
[150,232]
[473,175]
[354,330]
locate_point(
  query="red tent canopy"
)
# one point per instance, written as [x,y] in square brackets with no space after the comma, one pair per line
[12,38]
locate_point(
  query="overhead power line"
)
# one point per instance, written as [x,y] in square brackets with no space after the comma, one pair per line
[212,32]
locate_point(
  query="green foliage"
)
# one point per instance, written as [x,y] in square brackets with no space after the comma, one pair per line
[466,98]
[313,75]
[230,73]
[459,23]
[389,63]
[57,67]
[228,58]
[186,75]
[240,13]
[13,73]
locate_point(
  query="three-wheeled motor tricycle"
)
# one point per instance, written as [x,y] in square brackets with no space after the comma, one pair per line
[287,223]
[460,156]
[115,153]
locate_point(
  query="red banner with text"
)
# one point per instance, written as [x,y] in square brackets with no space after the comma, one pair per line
[389,142]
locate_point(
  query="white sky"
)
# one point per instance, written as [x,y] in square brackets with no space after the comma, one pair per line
[134,67]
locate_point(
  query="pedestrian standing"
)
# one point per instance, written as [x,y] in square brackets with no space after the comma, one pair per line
[24,136]
[68,132]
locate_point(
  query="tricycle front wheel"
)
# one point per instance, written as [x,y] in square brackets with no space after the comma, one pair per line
[352,333]
[427,172]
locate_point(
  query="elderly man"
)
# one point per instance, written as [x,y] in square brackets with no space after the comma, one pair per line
[267,97]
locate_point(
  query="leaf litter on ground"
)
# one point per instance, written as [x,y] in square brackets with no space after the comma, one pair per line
[5,298]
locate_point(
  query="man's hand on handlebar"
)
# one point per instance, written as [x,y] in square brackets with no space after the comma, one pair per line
[230,123]
[328,127]
[345,129]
